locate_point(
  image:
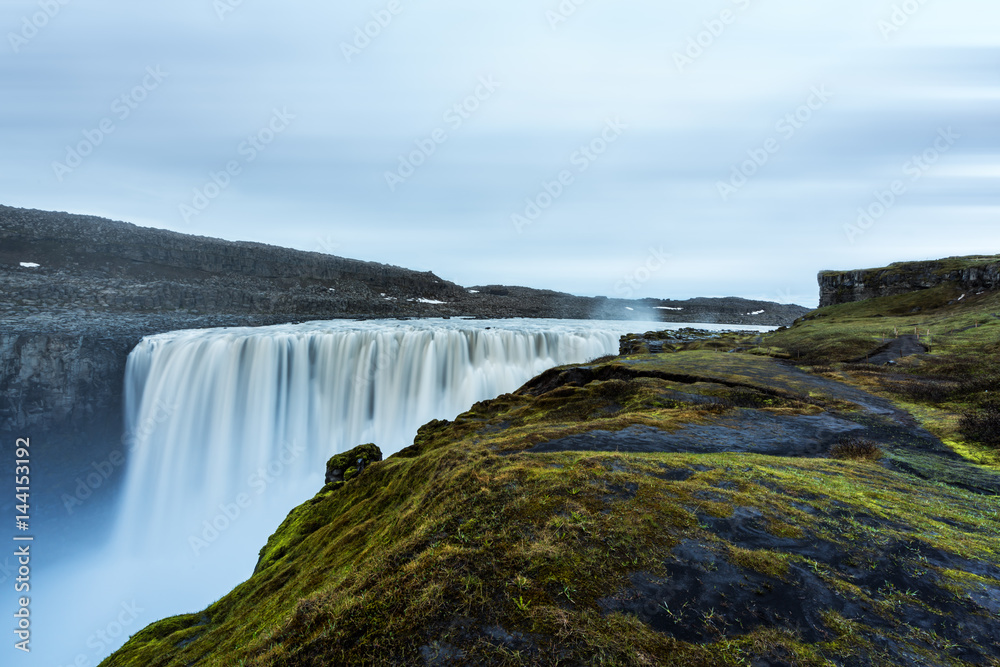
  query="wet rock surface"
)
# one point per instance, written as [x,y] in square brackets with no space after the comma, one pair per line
[748,431]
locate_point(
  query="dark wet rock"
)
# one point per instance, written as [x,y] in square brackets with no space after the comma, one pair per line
[702,597]
[348,465]
[655,342]
[620,492]
[670,474]
[745,431]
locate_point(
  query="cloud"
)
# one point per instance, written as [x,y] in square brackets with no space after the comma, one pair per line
[688,131]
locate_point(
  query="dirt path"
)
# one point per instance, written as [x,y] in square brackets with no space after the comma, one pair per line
[900,347]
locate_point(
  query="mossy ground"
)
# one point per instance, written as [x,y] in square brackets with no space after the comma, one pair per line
[533,559]
[467,548]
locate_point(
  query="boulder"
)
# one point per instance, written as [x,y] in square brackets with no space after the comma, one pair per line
[350,464]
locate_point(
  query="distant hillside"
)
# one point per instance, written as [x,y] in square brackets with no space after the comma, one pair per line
[99,266]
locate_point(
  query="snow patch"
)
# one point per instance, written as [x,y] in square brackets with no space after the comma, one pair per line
[756,312]
[667,308]
[627,308]
[437,303]
[473,291]
[30,265]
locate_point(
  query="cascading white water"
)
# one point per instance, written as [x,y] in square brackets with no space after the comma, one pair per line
[216,413]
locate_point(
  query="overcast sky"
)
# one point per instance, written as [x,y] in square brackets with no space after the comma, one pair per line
[627,148]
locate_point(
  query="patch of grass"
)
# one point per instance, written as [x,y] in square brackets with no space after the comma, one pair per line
[982,424]
[856,449]
[771,563]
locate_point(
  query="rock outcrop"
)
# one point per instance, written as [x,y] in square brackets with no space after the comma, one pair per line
[974,273]
[348,465]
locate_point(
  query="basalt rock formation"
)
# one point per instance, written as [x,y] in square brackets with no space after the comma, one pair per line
[973,273]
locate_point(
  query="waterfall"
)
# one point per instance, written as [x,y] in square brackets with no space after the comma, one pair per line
[213,414]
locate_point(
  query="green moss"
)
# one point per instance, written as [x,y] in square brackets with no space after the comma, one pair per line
[533,543]
[771,563]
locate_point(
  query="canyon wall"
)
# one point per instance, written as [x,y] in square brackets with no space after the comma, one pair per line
[975,273]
